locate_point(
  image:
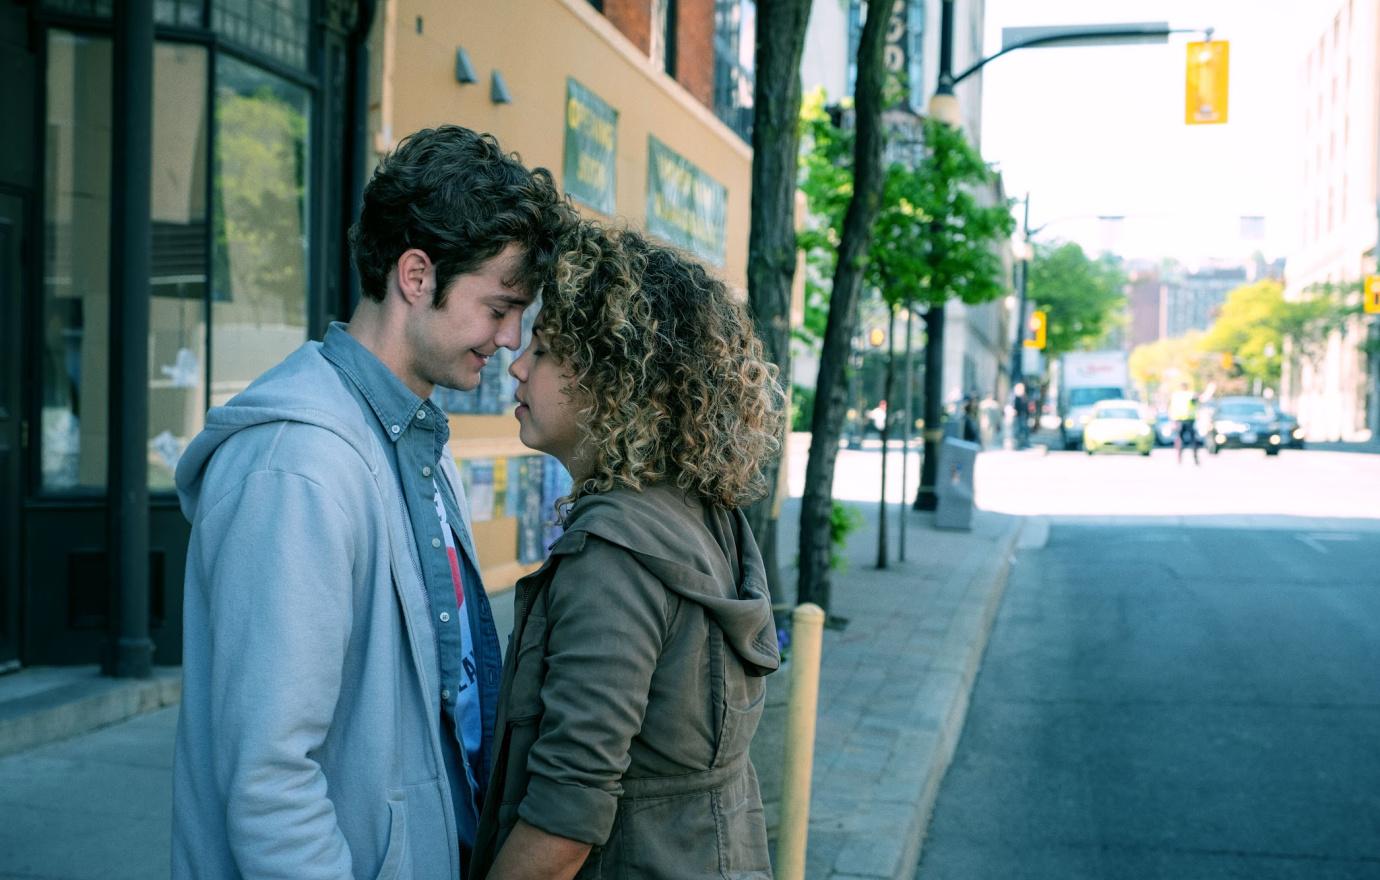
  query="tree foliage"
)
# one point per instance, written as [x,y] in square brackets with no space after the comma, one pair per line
[1250,327]
[1165,363]
[1084,298]
[933,238]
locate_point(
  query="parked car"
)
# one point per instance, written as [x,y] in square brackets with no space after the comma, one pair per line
[1244,423]
[1290,431]
[1118,426]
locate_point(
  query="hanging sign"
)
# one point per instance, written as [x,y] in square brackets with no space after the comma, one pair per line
[591,141]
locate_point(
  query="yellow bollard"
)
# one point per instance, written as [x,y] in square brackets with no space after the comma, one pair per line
[807,632]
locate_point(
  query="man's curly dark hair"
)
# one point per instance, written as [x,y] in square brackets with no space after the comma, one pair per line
[454,194]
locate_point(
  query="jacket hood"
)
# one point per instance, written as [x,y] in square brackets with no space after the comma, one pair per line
[704,555]
[303,388]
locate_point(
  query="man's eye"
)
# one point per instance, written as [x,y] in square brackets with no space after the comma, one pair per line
[500,315]
[538,352]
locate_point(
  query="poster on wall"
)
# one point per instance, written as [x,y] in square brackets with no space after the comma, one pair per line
[555,484]
[531,528]
[500,488]
[591,142]
[685,206]
[478,476]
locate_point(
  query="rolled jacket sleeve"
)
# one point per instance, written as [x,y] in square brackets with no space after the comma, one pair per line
[607,622]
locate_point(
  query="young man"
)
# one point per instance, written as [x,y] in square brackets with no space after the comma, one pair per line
[340,661]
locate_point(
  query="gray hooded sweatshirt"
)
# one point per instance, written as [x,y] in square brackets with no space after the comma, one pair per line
[308,744]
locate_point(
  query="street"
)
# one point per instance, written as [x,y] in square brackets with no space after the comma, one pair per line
[1184,681]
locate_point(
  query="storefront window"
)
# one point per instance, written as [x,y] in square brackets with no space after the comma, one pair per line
[76,271]
[185,13]
[177,307]
[276,28]
[259,262]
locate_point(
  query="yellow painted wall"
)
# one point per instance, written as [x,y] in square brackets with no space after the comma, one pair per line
[536,45]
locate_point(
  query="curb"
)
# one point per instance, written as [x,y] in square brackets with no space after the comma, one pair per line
[947,697]
[80,702]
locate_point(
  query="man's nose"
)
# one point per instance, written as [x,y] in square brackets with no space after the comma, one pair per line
[510,332]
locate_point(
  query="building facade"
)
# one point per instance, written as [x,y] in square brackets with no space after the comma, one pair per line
[1334,393]
[252,144]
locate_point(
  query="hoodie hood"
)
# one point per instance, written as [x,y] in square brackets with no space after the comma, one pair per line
[303,388]
[704,555]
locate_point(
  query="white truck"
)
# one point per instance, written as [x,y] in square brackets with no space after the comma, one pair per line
[1086,377]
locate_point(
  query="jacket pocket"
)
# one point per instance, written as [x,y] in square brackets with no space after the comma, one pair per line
[673,836]
[529,671]
[742,701]
[741,828]
[396,850]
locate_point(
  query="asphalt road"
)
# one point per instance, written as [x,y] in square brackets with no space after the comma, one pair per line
[1184,680]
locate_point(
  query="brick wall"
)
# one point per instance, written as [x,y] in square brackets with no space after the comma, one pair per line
[634,19]
[695,49]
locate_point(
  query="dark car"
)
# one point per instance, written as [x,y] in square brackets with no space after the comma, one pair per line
[1244,423]
[1289,431]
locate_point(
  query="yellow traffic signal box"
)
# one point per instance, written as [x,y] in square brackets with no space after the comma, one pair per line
[1371,295]
[1205,92]
[1039,328]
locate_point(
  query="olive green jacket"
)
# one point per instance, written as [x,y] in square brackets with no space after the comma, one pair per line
[631,689]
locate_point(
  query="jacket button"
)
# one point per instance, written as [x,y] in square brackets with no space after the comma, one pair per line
[445,617]
[445,694]
[436,542]
[421,414]
[426,470]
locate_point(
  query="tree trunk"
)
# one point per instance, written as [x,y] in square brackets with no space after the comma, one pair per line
[927,498]
[888,394]
[816,505]
[771,239]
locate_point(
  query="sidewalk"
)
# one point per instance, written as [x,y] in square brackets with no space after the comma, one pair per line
[893,697]
[894,685]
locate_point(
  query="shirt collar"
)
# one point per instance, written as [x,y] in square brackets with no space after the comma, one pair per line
[392,402]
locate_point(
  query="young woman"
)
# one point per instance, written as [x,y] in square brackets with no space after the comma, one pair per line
[633,682]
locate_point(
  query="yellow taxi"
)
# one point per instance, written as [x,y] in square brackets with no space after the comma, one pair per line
[1118,426]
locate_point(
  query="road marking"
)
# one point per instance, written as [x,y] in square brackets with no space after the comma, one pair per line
[1316,539]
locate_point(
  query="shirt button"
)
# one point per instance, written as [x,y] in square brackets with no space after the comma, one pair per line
[395,429]
[426,470]
[445,694]
[445,617]
[421,414]
[436,542]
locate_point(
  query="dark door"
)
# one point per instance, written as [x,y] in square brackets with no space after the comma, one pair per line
[12,428]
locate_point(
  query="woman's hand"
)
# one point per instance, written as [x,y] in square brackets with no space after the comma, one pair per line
[532,854]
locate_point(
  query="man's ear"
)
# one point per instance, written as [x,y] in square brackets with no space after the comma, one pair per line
[415,275]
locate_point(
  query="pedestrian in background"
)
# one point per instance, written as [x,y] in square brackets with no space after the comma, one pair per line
[1183,409]
[340,665]
[633,684]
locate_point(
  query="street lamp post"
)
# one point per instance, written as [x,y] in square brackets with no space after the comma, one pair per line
[1018,344]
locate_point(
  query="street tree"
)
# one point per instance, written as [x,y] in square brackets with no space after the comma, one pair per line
[771,237]
[855,238]
[1250,329]
[1308,322]
[1161,365]
[1084,298]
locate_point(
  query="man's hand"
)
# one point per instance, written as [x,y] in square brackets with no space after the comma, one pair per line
[531,854]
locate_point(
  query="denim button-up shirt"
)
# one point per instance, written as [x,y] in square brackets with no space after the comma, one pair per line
[417,431]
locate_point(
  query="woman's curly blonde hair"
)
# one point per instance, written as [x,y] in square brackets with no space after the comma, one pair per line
[670,377]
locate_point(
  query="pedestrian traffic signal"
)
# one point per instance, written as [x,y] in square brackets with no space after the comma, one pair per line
[1371,295]
[1037,331]
[1205,92]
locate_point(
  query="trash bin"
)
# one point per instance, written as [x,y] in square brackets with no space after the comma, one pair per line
[954,484]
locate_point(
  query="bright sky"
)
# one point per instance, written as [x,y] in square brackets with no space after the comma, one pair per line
[1099,130]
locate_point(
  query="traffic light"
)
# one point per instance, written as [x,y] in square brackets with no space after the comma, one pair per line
[1038,330]
[1205,86]
[1371,295]
[1228,361]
